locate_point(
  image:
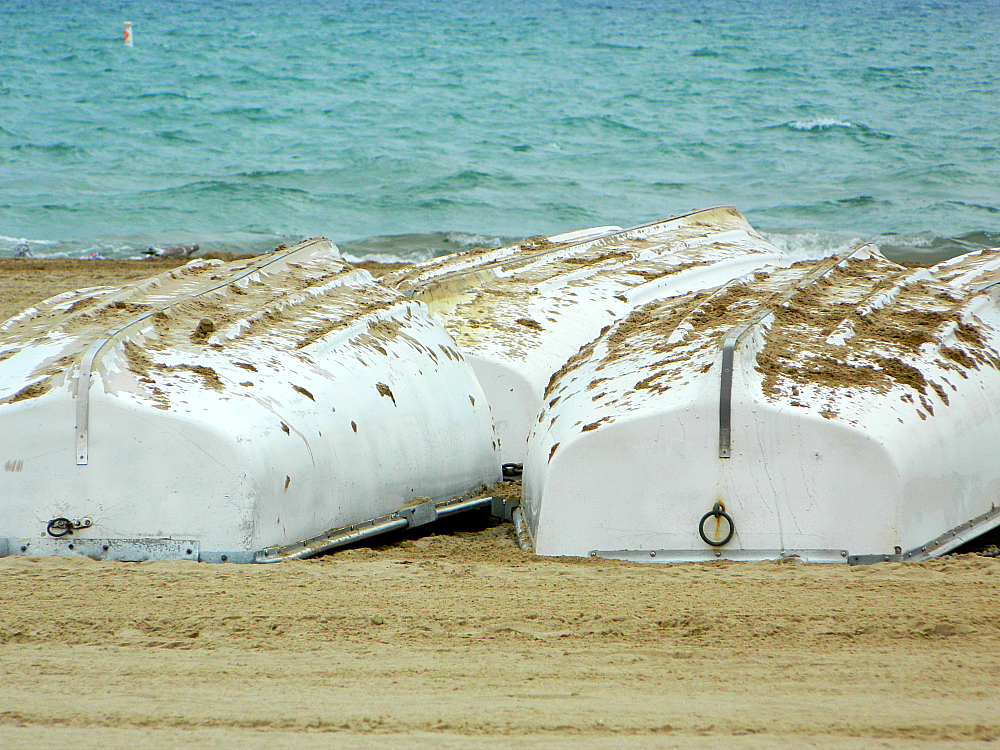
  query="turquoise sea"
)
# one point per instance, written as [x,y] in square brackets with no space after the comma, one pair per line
[406,128]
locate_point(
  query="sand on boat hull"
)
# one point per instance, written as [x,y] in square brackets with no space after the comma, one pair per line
[519,312]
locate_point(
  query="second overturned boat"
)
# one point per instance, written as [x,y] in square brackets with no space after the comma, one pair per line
[834,410]
[519,312]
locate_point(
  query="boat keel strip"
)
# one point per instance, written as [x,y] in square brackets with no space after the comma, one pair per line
[405,518]
[942,545]
[732,339]
[90,357]
[118,550]
[736,555]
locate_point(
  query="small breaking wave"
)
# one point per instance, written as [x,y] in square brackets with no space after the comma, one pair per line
[828,124]
[7,244]
[811,245]
[978,206]
[923,248]
[818,124]
[769,70]
[618,46]
[927,248]
[860,200]
[15,240]
[228,190]
[166,95]
[599,124]
[52,149]
[130,246]
[176,135]
[409,248]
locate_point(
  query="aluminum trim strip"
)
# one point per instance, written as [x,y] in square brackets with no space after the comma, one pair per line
[637,232]
[736,555]
[732,339]
[93,352]
[726,392]
[941,545]
[345,535]
[119,550]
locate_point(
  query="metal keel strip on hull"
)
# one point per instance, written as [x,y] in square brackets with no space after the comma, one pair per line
[405,518]
[504,259]
[92,353]
[732,339]
[118,550]
[734,555]
[942,545]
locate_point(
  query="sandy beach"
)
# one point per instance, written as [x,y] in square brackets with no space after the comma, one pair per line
[455,638]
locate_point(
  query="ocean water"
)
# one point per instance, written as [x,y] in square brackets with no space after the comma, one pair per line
[408,128]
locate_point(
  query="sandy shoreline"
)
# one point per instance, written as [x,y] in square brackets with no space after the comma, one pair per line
[459,639]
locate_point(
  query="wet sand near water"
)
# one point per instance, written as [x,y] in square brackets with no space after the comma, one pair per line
[459,639]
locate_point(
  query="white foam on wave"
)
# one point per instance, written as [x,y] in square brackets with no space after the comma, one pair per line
[14,240]
[466,239]
[811,245]
[820,123]
[922,240]
[414,248]
[415,257]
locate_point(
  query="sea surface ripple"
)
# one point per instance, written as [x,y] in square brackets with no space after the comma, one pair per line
[413,127]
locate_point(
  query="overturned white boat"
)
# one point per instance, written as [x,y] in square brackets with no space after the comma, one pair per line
[519,312]
[219,409]
[837,410]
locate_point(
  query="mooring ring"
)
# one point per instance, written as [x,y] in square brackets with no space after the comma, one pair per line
[59,527]
[716,512]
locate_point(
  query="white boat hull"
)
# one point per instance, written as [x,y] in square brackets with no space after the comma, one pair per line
[869,439]
[317,400]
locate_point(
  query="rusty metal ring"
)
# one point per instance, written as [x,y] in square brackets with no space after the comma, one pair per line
[59,527]
[716,512]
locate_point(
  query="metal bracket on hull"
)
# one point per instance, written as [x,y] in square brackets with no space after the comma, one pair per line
[474,274]
[707,555]
[726,392]
[521,533]
[83,403]
[732,340]
[416,515]
[992,288]
[119,550]
[140,550]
